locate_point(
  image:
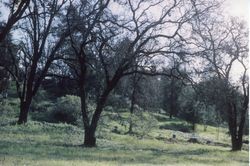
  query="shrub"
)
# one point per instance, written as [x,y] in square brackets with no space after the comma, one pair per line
[5,108]
[118,101]
[161,118]
[40,102]
[9,107]
[42,106]
[183,127]
[67,110]
[143,123]
[109,109]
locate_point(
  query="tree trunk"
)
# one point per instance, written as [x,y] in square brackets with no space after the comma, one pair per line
[236,135]
[193,126]
[193,119]
[85,117]
[28,92]
[205,127]
[82,94]
[89,137]
[89,131]
[132,111]
[24,109]
[170,115]
[171,99]
[172,108]
[236,144]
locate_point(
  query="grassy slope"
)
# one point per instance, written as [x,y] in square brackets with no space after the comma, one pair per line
[39,143]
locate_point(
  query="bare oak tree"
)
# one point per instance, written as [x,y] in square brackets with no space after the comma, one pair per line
[120,41]
[38,47]
[85,16]
[225,44]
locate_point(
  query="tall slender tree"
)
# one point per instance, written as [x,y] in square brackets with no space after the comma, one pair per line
[39,44]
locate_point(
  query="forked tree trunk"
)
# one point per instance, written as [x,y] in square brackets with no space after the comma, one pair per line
[89,138]
[89,135]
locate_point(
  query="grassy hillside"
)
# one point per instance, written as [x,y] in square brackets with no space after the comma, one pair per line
[41,143]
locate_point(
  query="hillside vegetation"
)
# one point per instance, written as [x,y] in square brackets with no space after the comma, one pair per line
[42,143]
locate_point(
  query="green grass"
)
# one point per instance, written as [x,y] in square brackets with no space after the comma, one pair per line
[40,143]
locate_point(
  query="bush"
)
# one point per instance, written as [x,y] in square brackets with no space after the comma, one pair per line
[5,109]
[183,127]
[43,106]
[40,103]
[9,108]
[67,110]
[143,123]
[118,101]
[161,118]
[109,109]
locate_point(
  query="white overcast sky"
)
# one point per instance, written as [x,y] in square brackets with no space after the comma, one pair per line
[238,8]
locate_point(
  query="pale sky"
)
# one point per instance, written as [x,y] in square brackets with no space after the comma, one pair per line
[238,8]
